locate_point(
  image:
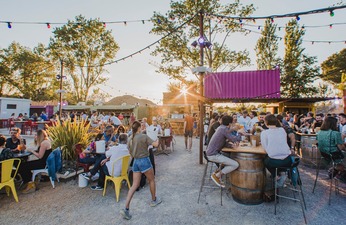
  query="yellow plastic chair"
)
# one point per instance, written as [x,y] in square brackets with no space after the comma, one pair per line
[123,176]
[9,171]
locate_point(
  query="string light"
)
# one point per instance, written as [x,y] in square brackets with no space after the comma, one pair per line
[315,11]
[297,18]
[331,13]
[331,26]
[125,23]
[9,25]
[48,25]
[104,24]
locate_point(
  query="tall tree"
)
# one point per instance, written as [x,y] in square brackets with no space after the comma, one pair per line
[267,47]
[27,73]
[180,26]
[299,70]
[333,67]
[84,46]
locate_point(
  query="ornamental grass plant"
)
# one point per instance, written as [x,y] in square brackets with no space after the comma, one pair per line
[67,134]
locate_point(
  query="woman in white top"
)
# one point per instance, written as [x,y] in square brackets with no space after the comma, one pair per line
[274,141]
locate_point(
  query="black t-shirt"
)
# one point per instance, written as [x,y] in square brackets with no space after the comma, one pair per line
[261,124]
[10,144]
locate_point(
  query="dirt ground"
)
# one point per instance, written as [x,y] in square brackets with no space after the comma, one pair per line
[178,180]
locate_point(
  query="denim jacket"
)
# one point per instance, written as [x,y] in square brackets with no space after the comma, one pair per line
[54,163]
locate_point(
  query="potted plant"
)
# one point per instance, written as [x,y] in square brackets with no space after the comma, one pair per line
[67,134]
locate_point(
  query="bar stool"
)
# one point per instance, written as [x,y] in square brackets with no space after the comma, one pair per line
[204,178]
[292,172]
[333,163]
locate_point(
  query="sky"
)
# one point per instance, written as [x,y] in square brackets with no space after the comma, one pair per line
[136,75]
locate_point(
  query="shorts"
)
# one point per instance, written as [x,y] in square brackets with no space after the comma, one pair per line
[188,133]
[141,165]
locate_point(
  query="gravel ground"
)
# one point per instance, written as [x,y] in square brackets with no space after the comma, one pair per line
[178,180]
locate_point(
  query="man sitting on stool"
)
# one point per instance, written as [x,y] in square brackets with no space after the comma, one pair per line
[219,140]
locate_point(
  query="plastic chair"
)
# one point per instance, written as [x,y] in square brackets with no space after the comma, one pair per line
[211,163]
[45,170]
[123,176]
[7,175]
[333,163]
[29,126]
[293,187]
[86,167]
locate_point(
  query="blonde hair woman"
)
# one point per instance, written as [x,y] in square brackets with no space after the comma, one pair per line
[42,153]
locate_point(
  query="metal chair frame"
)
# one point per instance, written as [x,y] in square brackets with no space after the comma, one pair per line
[211,163]
[336,185]
[291,187]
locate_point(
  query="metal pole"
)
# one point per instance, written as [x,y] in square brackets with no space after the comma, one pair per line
[61,77]
[201,90]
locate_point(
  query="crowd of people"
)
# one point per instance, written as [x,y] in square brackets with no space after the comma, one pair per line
[278,135]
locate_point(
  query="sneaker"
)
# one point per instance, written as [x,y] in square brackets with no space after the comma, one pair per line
[281,181]
[126,214]
[86,176]
[95,177]
[156,202]
[217,180]
[96,188]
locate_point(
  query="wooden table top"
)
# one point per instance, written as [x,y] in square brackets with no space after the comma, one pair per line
[301,134]
[246,148]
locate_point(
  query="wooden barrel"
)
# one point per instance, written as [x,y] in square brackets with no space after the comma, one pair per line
[248,181]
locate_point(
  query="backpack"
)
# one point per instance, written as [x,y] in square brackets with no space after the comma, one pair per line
[6,154]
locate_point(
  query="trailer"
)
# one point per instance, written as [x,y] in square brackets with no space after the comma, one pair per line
[13,105]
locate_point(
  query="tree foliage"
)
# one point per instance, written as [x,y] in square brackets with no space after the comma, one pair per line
[333,67]
[299,70]
[177,55]
[267,47]
[84,46]
[27,73]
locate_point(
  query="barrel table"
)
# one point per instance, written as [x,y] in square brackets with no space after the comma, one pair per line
[248,180]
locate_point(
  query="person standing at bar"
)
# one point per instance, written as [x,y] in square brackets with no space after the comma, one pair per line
[188,131]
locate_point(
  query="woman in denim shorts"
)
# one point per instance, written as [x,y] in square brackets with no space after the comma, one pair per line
[138,147]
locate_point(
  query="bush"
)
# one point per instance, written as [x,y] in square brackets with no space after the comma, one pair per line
[67,134]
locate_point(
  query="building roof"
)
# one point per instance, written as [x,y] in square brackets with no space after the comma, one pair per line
[243,85]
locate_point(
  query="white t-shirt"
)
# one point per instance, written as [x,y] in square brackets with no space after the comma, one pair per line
[116,152]
[251,123]
[115,120]
[274,142]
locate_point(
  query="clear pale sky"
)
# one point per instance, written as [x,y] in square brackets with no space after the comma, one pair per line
[135,76]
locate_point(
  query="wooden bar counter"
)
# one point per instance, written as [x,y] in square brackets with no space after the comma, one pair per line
[248,181]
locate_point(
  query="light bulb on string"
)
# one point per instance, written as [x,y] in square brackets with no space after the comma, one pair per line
[331,13]
[297,18]
[331,26]
[254,21]
[104,24]
[48,25]
[143,21]
[272,20]
[125,23]
[9,25]
[259,27]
